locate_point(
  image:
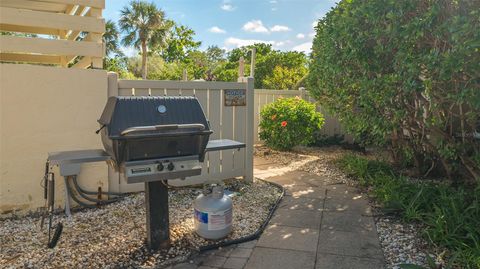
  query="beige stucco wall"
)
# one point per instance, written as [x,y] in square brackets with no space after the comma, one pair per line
[46,109]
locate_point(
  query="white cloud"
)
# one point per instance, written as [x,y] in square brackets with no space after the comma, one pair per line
[300,36]
[255,26]
[227,7]
[216,30]
[238,42]
[311,35]
[314,24]
[129,51]
[280,28]
[304,47]
[273,3]
[281,44]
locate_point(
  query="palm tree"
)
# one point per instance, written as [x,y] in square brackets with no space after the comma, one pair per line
[110,39]
[145,27]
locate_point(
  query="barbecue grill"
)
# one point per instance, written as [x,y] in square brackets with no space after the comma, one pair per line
[155,139]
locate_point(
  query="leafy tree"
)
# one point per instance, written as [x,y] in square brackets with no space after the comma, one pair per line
[405,73]
[114,60]
[224,73]
[284,77]
[215,54]
[202,64]
[215,59]
[110,39]
[274,69]
[180,43]
[145,27]
[197,64]
[261,49]
[119,65]
[267,59]
[158,68]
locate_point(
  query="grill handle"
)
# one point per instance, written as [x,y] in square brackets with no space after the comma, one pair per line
[164,127]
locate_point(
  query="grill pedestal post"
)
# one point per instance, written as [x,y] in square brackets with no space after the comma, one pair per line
[156,203]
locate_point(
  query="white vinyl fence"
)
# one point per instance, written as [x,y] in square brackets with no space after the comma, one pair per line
[227,122]
[263,97]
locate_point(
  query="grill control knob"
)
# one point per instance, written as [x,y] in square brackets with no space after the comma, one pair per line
[160,167]
[170,166]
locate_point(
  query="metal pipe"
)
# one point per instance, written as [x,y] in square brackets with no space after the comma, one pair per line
[96,193]
[84,196]
[51,191]
[50,200]
[75,198]
[45,178]
[52,239]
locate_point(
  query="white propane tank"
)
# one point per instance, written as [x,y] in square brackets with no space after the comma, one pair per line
[213,213]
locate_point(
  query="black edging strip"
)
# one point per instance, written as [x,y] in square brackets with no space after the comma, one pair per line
[254,235]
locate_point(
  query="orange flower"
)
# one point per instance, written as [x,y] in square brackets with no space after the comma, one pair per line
[274,117]
[284,123]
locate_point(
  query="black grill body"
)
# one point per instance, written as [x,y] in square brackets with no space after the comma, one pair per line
[153,127]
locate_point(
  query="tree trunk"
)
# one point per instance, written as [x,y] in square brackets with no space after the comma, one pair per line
[144,60]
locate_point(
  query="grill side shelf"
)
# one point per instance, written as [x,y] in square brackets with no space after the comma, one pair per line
[223,144]
[77,156]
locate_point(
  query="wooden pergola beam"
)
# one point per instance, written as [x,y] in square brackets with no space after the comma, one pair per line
[14,44]
[30,18]
[83,63]
[32,58]
[88,3]
[63,19]
[33,5]
[28,29]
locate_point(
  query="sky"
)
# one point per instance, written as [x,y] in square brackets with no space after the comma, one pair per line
[228,24]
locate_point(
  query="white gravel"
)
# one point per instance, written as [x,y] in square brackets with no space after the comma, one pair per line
[318,161]
[113,236]
[401,242]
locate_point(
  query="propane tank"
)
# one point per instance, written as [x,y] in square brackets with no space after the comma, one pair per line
[213,213]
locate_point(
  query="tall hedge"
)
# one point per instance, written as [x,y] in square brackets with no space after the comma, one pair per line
[405,74]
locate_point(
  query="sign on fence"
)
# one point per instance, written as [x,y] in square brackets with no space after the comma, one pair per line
[235,97]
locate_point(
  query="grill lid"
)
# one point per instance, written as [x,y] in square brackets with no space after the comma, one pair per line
[123,112]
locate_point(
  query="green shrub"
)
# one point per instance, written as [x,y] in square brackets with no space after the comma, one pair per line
[288,122]
[401,73]
[451,215]
[322,140]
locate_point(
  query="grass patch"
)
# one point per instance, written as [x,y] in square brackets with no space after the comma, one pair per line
[451,215]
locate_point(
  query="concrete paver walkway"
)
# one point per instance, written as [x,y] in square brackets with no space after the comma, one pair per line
[317,225]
